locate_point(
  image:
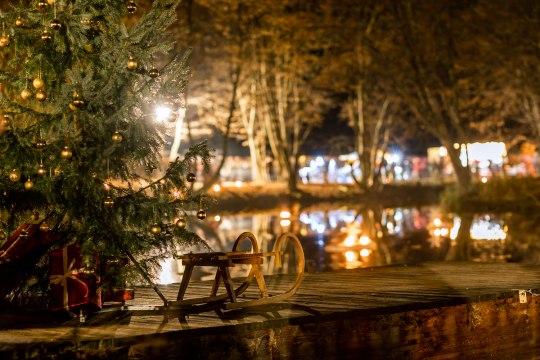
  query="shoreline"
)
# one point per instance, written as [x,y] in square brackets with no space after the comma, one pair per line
[260,197]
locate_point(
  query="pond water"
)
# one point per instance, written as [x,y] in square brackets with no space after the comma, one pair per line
[347,238]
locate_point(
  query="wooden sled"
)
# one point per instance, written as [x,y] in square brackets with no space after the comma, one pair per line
[225,260]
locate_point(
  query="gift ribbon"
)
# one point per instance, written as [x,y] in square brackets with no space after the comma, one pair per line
[69,273]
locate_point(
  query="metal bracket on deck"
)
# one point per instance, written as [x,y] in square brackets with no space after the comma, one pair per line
[523,296]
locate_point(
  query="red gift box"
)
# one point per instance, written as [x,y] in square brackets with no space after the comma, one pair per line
[25,241]
[72,285]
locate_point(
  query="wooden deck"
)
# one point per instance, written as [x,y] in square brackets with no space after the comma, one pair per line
[438,310]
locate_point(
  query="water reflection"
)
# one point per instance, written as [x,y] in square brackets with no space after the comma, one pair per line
[348,238]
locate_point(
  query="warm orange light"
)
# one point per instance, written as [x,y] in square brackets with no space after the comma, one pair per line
[285,222]
[364,240]
[350,256]
[284,214]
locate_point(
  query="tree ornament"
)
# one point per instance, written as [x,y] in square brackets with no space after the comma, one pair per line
[55,24]
[40,144]
[66,153]
[19,22]
[41,95]
[191,177]
[131,7]
[58,171]
[38,82]
[15,175]
[88,47]
[2,235]
[28,184]
[153,73]
[109,202]
[132,63]
[5,122]
[50,2]
[78,103]
[42,5]
[117,137]
[155,229]
[46,35]
[201,215]
[41,171]
[181,223]
[25,94]
[44,227]
[4,40]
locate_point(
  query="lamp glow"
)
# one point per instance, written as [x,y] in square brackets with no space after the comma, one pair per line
[162,113]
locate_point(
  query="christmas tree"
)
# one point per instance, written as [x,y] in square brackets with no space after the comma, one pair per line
[80,145]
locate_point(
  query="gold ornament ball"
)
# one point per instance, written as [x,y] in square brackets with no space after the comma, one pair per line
[44,227]
[88,47]
[14,175]
[153,73]
[41,95]
[117,137]
[66,153]
[55,24]
[5,123]
[40,144]
[108,201]
[28,184]
[38,83]
[131,7]
[46,36]
[201,215]
[172,117]
[155,229]
[4,40]
[78,103]
[2,235]
[132,64]
[41,171]
[50,2]
[25,94]
[42,5]
[19,22]
[190,177]
[181,223]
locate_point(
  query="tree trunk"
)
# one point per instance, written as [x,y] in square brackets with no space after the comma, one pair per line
[462,173]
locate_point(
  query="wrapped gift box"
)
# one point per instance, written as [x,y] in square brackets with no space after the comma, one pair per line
[72,284]
[26,241]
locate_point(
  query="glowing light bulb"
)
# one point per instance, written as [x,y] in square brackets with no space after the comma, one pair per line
[364,240]
[162,113]
[349,241]
[350,256]
[285,222]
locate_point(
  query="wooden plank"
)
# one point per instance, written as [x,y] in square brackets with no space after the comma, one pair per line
[323,295]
